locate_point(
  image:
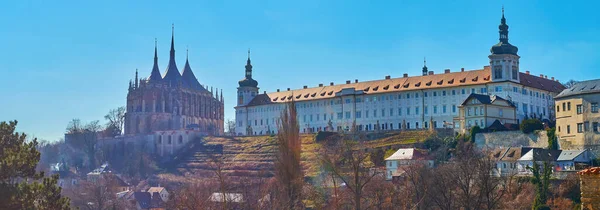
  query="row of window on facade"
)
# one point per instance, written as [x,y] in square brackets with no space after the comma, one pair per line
[386,97]
[374,126]
[566,106]
[170,139]
[582,127]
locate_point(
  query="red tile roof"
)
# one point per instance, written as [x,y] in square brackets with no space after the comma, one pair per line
[590,171]
[442,80]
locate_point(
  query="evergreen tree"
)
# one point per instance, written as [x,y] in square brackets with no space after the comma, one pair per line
[552,141]
[21,186]
[541,180]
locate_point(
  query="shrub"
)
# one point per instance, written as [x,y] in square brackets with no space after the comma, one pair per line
[474,131]
[530,125]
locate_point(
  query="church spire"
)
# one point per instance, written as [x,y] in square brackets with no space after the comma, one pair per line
[155,74]
[172,74]
[424,67]
[172,54]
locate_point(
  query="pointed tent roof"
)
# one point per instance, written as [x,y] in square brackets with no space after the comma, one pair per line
[189,78]
[155,75]
[172,74]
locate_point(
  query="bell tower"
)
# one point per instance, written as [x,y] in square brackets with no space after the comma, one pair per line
[248,87]
[504,61]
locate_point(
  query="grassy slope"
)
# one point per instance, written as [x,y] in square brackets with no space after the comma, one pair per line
[254,155]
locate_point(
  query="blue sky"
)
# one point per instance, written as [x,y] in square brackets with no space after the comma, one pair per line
[64,60]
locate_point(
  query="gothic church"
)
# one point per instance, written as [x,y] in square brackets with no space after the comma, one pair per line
[173,101]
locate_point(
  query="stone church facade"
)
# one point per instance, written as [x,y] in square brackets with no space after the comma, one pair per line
[173,101]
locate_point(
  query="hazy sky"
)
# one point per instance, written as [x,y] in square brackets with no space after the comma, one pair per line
[60,61]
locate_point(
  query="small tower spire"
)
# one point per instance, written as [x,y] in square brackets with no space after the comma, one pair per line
[155,74]
[136,78]
[221,95]
[155,50]
[503,28]
[173,41]
[424,66]
[248,62]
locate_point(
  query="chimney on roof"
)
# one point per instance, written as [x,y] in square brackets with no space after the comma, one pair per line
[541,75]
[265,92]
[277,90]
[430,73]
[545,76]
[405,75]
[305,87]
[388,77]
[355,81]
[527,72]
[446,71]
[288,89]
[331,84]
[320,84]
[347,81]
[552,78]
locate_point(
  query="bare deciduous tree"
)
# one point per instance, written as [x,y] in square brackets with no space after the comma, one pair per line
[230,126]
[288,171]
[116,120]
[95,195]
[348,160]
[85,137]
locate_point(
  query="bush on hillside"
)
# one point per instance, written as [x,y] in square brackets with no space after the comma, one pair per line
[476,129]
[530,125]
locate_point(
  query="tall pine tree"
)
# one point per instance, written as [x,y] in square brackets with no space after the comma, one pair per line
[21,187]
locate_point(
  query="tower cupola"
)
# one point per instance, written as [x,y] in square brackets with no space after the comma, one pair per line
[503,47]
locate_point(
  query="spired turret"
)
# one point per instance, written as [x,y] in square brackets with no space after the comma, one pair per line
[248,88]
[172,75]
[504,60]
[155,74]
[503,47]
[189,78]
[248,81]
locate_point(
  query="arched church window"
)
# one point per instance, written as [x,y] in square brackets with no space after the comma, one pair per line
[169,140]
[180,141]
[159,139]
[515,72]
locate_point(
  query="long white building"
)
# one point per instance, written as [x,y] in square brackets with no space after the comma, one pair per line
[409,102]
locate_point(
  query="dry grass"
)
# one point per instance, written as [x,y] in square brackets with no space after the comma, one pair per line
[254,155]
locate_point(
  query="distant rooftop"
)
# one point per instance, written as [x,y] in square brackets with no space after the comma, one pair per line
[584,87]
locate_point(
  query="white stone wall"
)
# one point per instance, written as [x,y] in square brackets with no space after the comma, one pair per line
[511,139]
